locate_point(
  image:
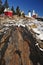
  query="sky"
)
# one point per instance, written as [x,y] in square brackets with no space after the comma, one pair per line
[27,5]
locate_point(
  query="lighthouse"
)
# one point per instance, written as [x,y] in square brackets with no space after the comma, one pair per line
[34,14]
[29,13]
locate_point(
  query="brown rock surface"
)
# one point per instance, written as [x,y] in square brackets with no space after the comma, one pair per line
[15,47]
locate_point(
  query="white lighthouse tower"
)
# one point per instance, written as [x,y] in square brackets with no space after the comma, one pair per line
[33,13]
[29,13]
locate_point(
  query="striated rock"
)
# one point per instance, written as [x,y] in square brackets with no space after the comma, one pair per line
[14,48]
[17,47]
